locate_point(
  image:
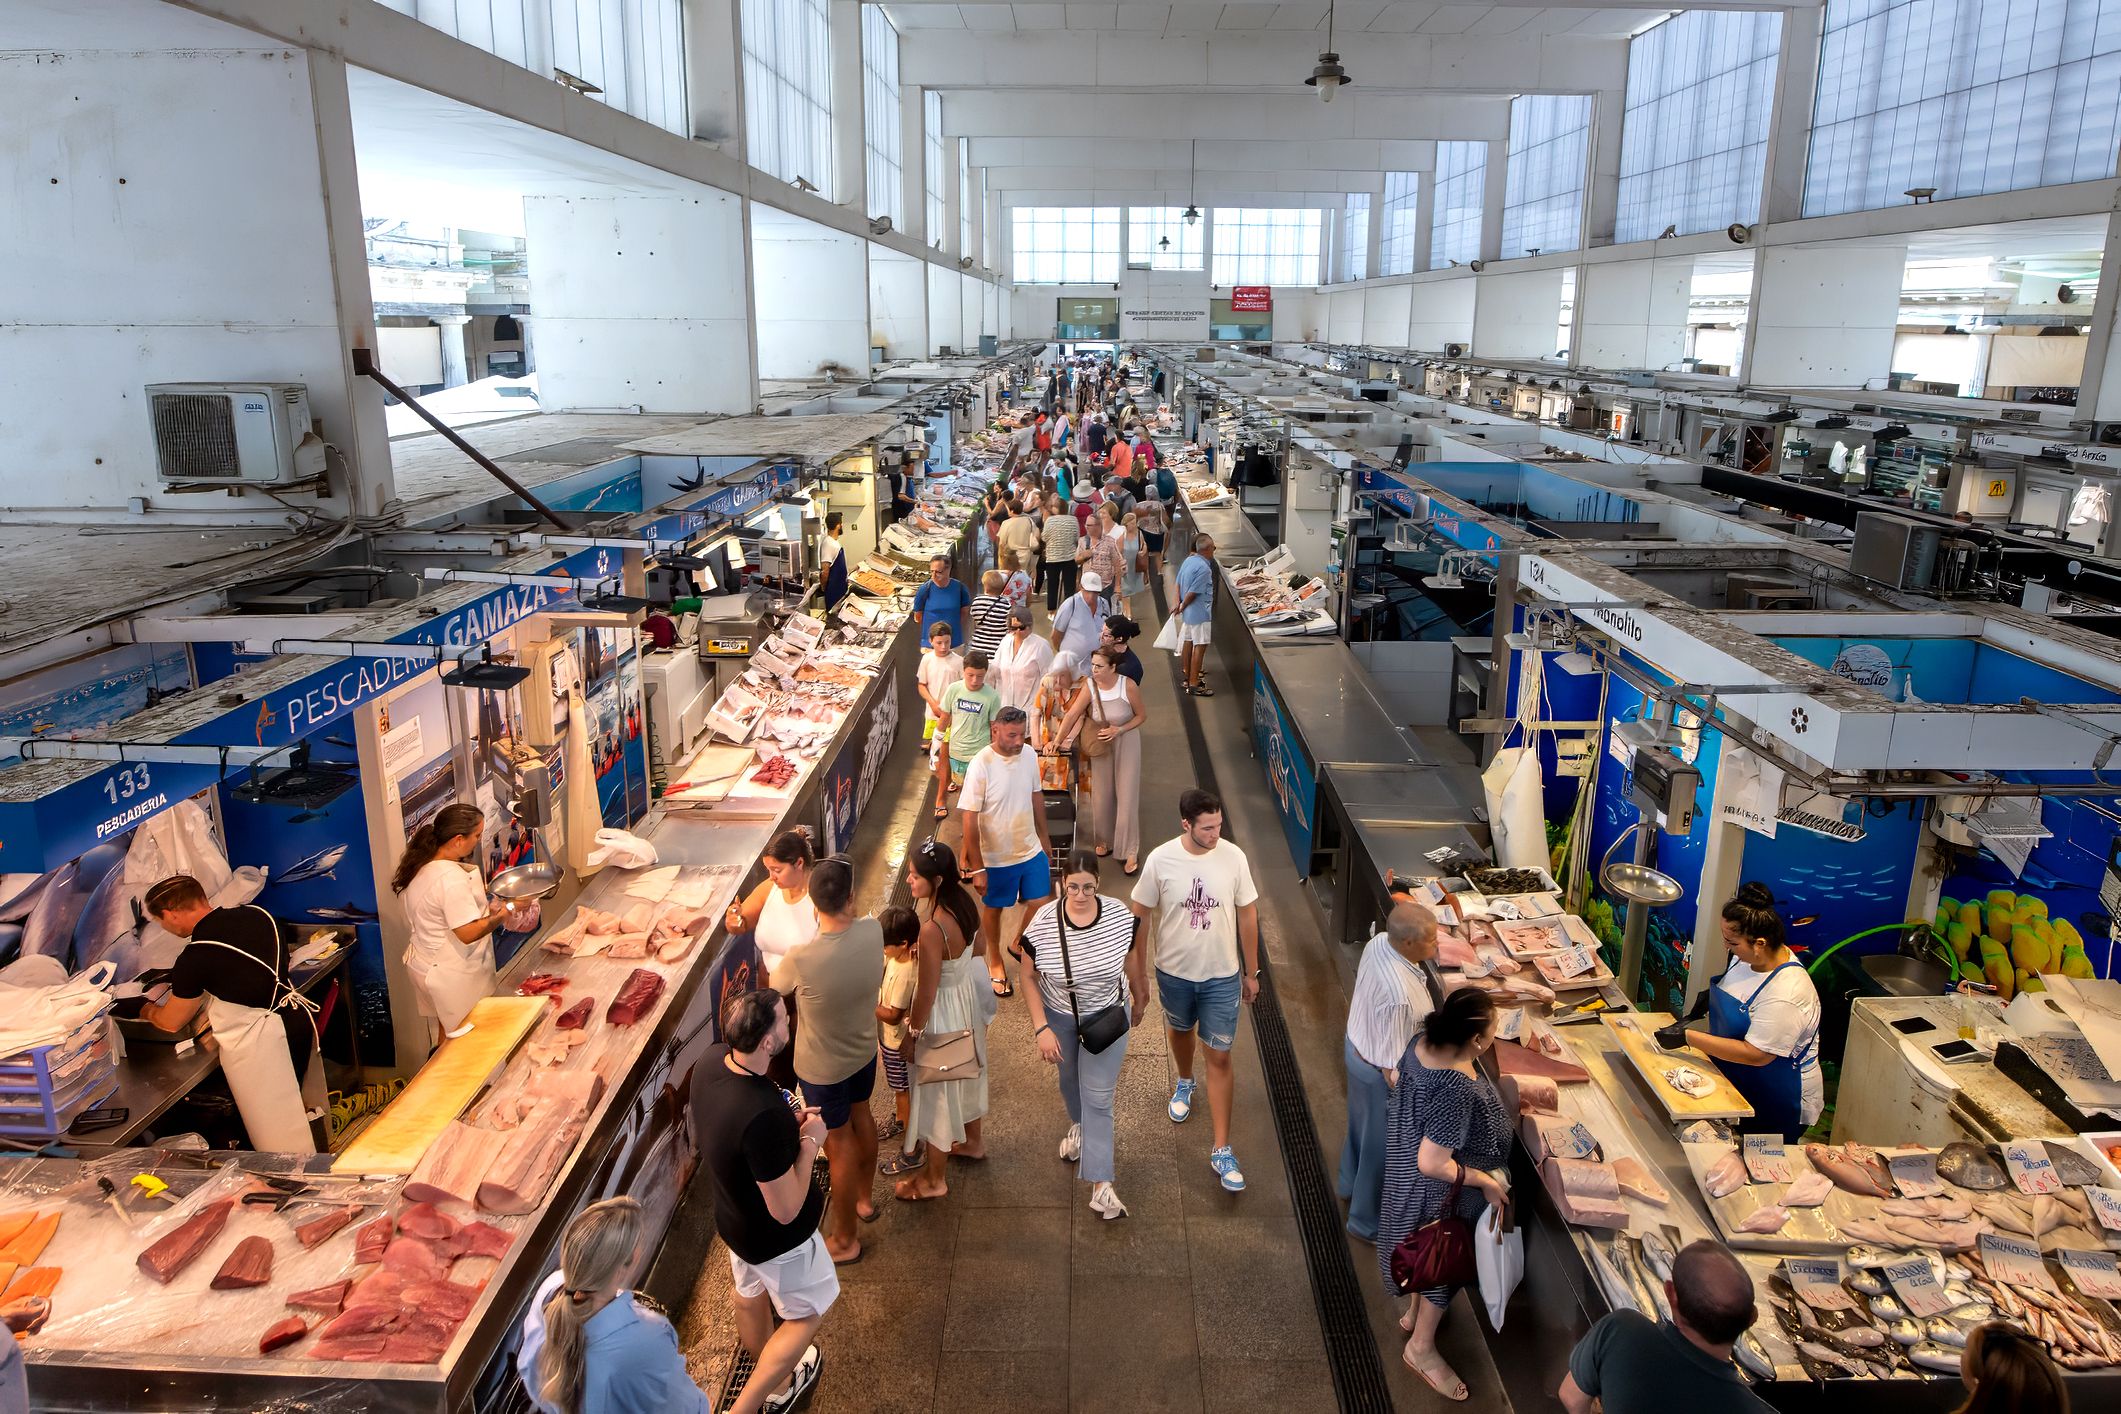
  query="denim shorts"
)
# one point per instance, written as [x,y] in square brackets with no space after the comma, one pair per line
[1011,884]
[837,1100]
[1211,1006]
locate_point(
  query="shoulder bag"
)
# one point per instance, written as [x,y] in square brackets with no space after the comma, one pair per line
[1087,741]
[1438,1253]
[943,1056]
[1102,1027]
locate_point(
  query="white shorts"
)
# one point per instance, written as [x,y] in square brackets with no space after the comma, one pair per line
[1194,633]
[801,1281]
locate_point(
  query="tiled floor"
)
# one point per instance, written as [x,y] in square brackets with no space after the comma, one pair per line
[1010,1294]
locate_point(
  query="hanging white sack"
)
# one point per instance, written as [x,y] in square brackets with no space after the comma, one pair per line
[1748,790]
[1517,815]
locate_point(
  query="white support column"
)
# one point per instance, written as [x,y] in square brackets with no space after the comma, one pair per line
[456,363]
[810,289]
[1425,222]
[714,73]
[850,167]
[1631,313]
[1824,316]
[979,220]
[898,303]
[952,233]
[2099,396]
[913,159]
[945,307]
[258,267]
[636,304]
[1004,230]
[1373,234]
[1492,199]
[1790,125]
[1515,314]
[1601,192]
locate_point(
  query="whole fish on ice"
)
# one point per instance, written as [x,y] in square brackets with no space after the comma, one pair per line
[318,866]
[346,913]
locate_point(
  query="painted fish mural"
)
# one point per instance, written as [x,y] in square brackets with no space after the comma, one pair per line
[317,866]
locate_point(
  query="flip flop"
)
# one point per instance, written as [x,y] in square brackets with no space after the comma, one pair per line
[859,1253]
[871,1216]
[942,812]
[1002,987]
[909,1197]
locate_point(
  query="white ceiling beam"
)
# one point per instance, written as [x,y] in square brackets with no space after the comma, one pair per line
[1371,155]
[1248,62]
[1201,18]
[1239,116]
[1011,180]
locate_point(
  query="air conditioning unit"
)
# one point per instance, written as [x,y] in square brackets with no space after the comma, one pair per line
[1894,551]
[234,433]
[1750,591]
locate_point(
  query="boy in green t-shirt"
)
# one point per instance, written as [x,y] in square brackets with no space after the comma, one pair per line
[964,719]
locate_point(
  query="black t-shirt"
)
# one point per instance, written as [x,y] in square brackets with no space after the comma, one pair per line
[1634,1365]
[748,1136]
[217,970]
[1130,666]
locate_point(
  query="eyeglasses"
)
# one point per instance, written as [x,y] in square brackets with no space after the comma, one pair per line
[1089,888]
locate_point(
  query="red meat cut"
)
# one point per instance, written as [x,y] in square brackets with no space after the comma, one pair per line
[249,1265]
[316,1230]
[327,1299]
[414,1348]
[382,1287]
[448,1300]
[575,1017]
[180,1247]
[282,1332]
[426,1220]
[478,1239]
[370,1239]
[352,1347]
[359,1320]
[636,998]
[418,1258]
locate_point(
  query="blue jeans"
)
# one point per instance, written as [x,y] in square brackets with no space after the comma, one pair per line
[1362,1158]
[1087,1085]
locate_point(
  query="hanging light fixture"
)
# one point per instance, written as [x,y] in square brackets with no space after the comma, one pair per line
[1163,243]
[1329,75]
[1191,215]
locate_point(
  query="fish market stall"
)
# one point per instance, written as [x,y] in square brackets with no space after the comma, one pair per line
[394,1275]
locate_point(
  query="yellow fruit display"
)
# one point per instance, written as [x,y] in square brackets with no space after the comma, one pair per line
[1996,966]
[2030,982]
[2037,907]
[2074,962]
[2066,933]
[1961,940]
[1999,922]
[1970,915]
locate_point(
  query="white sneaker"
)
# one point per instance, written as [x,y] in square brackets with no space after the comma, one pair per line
[800,1380]
[1105,1203]
[1071,1147]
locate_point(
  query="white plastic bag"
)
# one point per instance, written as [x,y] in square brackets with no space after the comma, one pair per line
[1517,817]
[628,851]
[1500,1258]
[1167,639]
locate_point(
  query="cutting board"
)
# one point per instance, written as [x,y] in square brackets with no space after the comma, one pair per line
[1724,1102]
[444,1088]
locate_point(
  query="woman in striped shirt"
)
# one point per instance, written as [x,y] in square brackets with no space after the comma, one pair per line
[1109,967]
[988,619]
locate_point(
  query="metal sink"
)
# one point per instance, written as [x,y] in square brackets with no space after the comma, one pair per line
[1899,976]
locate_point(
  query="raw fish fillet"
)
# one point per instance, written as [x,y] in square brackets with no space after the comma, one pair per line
[451,1167]
[317,1229]
[351,1347]
[282,1332]
[28,1244]
[1637,1181]
[1586,1178]
[413,1348]
[1768,1217]
[419,1219]
[328,1299]
[555,1048]
[1853,1169]
[576,1016]
[526,1164]
[628,946]
[1515,1060]
[180,1247]
[1943,1208]
[382,1287]
[370,1239]
[250,1264]
[481,1239]
[417,1257]
[637,997]
[636,918]
[1531,1094]
[1807,1192]
[447,1299]
[1580,1207]
[594,921]
[32,1281]
[1726,1176]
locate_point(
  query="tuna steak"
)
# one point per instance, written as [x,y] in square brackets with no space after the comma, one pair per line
[636,998]
[180,1247]
[327,1299]
[249,1265]
[282,1332]
[316,1230]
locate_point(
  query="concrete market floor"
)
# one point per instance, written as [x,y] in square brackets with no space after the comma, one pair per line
[1010,1294]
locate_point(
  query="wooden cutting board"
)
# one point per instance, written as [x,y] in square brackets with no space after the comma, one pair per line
[444,1088]
[1724,1102]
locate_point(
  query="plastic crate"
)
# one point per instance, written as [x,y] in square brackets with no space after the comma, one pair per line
[43,1088]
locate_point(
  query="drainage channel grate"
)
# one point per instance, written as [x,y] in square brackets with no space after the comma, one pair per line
[1343,1315]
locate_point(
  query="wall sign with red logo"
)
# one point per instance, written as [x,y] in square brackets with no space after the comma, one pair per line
[1251,299]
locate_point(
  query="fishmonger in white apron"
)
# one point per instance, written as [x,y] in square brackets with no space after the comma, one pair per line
[255,1060]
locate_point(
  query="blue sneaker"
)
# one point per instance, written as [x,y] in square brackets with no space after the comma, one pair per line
[1181,1102]
[1225,1165]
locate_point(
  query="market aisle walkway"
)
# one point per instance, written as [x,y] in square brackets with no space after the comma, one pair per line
[1012,1294]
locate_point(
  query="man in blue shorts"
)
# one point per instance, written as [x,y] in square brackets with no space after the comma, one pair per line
[1008,855]
[1197,895]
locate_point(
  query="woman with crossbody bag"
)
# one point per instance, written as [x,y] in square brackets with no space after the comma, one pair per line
[1093,978]
[946,1028]
[1105,722]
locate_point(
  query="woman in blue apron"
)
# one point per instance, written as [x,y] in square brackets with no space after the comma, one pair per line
[834,573]
[1763,1020]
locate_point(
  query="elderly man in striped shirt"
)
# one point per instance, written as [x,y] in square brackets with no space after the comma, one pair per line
[1391,997]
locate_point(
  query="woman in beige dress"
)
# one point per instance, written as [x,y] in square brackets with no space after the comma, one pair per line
[953,995]
[1108,708]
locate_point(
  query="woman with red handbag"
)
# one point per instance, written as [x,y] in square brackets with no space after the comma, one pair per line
[1447,1151]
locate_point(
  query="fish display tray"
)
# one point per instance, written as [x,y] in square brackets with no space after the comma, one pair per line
[1633,1032]
[44,1087]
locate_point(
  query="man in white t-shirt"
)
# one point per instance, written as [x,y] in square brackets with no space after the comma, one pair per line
[1007,851]
[1198,895]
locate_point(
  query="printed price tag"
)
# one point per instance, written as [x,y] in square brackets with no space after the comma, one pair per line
[1505,910]
[1817,1282]
[1916,1286]
[1580,1142]
[2092,1273]
[1574,961]
[1509,1023]
[2106,1207]
[2018,1263]
[1767,1159]
[1915,1174]
[2031,1169]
